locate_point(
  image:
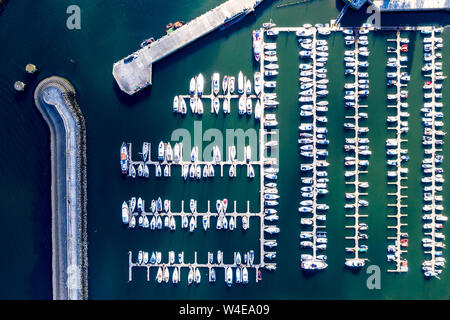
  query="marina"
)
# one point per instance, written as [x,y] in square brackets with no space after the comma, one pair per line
[113,117]
[312,141]
[268,168]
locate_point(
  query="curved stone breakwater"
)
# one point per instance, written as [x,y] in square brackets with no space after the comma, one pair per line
[55,99]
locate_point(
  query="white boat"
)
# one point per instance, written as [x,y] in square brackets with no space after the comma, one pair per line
[199,106]
[192,87]
[248,87]
[200,85]
[125,213]
[225,84]
[257,81]
[229,277]
[226,105]
[216,105]
[161,151]
[355,263]
[231,85]
[258,110]
[175,276]
[215,83]
[242,105]
[190,275]
[240,83]
[175,104]
[249,106]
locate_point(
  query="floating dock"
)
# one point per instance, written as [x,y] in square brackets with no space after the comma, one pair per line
[134,72]
[356,215]
[401,263]
[317,226]
[434,251]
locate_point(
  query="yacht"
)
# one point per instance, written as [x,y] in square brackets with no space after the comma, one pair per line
[225,84]
[229,277]
[212,275]
[231,84]
[249,106]
[124,158]
[215,106]
[215,83]
[139,204]
[242,105]
[257,41]
[355,263]
[125,213]
[175,104]
[159,275]
[190,275]
[257,82]
[175,276]
[161,151]
[240,83]
[192,87]
[200,85]
[132,204]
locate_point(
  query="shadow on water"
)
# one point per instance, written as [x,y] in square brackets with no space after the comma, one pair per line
[133,100]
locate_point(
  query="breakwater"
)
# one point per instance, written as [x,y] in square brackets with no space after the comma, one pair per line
[55,99]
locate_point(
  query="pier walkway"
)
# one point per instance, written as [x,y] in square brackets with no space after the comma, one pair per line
[400,128]
[134,72]
[55,99]
[434,247]
[317,226]
[356,183]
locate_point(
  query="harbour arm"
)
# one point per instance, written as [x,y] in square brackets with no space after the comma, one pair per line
[55,99]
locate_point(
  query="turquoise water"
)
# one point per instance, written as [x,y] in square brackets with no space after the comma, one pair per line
[110,31]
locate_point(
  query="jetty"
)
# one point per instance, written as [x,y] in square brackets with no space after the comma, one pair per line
[399,246]
[317,227]
[134,72]
[355,250]
[433,217]
[55,99]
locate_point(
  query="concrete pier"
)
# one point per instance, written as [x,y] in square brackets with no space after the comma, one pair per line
[55,99]
[134,72]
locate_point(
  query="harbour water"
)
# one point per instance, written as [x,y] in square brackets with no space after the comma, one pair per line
[109,31]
